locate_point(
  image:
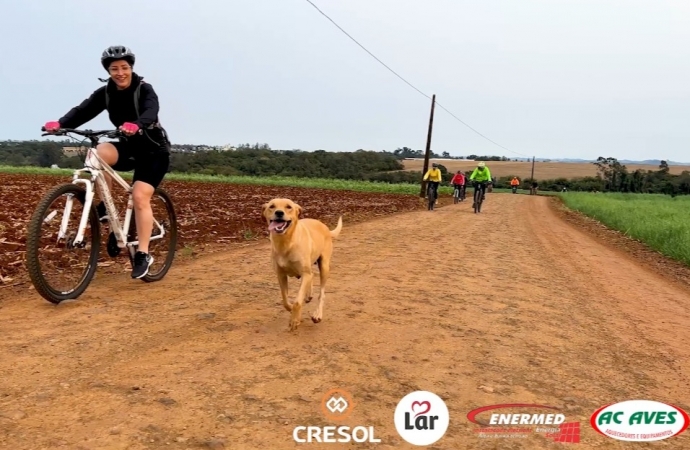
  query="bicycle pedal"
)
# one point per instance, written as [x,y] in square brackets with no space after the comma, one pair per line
[113,249]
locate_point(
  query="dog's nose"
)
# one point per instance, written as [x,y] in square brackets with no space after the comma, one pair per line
[279,213]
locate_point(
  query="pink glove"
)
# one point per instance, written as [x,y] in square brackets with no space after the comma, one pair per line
[129,128]
[52,126]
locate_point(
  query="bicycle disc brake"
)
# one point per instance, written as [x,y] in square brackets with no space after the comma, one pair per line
[113,248]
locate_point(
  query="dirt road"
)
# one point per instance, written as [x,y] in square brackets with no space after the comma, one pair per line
[543,314]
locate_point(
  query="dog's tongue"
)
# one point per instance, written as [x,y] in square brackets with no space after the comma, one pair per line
[273,226]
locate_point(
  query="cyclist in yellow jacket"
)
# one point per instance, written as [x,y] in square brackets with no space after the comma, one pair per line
[481,176]
[435,178]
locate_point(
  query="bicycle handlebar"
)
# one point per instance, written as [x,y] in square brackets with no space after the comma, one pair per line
[86,133]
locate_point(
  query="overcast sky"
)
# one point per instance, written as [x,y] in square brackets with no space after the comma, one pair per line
[551,78]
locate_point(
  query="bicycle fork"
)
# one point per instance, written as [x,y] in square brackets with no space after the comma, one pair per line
[62,234]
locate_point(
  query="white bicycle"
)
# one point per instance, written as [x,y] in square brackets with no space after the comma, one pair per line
[56,252]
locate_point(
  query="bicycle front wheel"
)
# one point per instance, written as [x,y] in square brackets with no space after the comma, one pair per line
[163,239]
[60,269]
[477,198]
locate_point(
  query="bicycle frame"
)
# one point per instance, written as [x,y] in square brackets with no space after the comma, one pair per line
[95,166]
[480,186]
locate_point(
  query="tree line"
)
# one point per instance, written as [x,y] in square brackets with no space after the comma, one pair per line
[382,166]
[406,152]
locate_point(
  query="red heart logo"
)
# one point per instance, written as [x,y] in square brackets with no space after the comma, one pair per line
[428,407]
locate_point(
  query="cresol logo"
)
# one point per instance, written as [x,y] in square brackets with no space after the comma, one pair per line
[640,420]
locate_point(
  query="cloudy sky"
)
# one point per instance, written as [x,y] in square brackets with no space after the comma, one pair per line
[551,78]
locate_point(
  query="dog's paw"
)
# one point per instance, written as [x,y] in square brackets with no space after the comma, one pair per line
[315,319]
[294,324]
[308,299]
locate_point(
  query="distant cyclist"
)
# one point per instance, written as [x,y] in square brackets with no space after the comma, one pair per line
[435,178]
[480,178]
[514,183]
[458,182]
[535,186]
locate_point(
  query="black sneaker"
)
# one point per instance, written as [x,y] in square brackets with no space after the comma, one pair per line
[102,212]
[142,262]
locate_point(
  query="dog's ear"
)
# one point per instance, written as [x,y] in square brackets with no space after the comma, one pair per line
[299,210]
[264,207]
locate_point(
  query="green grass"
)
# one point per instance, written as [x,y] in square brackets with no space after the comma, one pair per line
[660,221]
[319,183]
[312,183]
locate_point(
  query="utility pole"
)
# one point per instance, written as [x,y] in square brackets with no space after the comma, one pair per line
[422,193]
[532,168]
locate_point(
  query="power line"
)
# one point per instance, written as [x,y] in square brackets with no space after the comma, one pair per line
[408,83]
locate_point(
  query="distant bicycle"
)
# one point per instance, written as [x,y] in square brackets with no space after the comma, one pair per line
[55,252]
[479,193]
[514,189]
[458,194]
[430,196]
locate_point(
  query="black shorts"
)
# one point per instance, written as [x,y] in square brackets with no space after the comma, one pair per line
[150,166]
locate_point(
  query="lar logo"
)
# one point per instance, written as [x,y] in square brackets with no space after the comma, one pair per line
[421,418]
[336,406]
[639,420]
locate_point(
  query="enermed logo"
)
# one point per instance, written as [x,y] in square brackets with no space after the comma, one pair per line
[639,421]
[336,405]
[421,418]
[519,421]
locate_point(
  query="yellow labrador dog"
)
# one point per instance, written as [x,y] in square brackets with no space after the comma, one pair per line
[296,245]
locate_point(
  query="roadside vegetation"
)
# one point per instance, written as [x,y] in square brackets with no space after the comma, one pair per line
[259,161]
[660,221]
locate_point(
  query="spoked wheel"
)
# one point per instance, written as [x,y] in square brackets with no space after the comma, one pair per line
[478,200]
[456,196]
[163,249]
[430,196]
[59,269]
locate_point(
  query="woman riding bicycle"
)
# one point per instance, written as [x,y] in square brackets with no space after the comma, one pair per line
[146,148]
[480,176]
[458,182]
[435,177]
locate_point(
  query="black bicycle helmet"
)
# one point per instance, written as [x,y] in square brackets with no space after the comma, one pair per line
[115,53]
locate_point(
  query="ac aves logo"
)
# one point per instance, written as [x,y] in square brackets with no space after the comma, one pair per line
[640,420]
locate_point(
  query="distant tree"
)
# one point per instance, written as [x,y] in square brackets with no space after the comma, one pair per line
[612,172]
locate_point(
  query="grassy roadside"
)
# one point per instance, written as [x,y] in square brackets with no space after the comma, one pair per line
[661,222]
[311,183]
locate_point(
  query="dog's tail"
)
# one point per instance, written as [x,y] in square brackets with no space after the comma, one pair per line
[336,232]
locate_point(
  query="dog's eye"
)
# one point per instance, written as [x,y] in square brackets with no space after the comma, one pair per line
[289,207]
[272,206]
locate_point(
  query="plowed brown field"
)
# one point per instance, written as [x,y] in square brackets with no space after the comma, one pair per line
[514,305]
[210,215]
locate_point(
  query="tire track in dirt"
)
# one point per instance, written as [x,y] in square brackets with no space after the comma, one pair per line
[446,301]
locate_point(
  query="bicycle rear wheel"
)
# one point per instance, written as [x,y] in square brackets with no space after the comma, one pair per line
[162,250]
[49,268]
